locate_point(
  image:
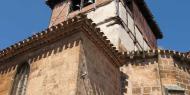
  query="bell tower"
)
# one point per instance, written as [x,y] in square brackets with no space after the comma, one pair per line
[128,24]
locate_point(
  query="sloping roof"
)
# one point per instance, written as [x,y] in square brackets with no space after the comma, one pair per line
[149,17]
[80,23]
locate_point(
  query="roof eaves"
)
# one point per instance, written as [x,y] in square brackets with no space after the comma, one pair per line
[150,18]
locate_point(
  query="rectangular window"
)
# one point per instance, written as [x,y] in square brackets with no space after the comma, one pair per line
[75,5]
[174,90]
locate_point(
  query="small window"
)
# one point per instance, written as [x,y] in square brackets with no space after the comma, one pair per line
[78,4]
[174,90]
[20,80]
[75,5]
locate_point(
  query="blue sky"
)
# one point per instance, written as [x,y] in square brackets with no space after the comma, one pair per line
[20,19]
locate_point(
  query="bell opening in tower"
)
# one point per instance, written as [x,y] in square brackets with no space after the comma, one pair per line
[79,4]
[88,2]
[75,5]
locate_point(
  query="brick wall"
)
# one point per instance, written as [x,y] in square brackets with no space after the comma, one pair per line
[55,71]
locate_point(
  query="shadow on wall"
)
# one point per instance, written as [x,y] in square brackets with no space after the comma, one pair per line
[134,78]
[138,61]
[183,66]
[54,49]
[124,83]
[36,54]
[168,69]
[175,62]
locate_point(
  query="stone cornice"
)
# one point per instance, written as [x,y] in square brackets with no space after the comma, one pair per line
[135,55]
[79,23]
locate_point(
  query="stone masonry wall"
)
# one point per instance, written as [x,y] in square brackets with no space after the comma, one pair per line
[161,75]
[53,69]
[6,81]
[175,73]
[183,76]
[60,67]
[102,77]
[142,77]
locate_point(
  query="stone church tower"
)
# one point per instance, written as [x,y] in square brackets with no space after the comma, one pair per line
[95,47]
[128,24]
